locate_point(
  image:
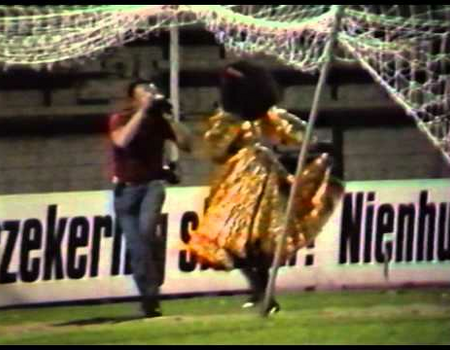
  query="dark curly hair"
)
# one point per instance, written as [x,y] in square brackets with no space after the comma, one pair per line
[248,90]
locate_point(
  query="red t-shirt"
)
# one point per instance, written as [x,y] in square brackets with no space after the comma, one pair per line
[142,159]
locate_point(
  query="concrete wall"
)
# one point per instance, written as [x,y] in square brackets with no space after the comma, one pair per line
[33,164]
[391,154]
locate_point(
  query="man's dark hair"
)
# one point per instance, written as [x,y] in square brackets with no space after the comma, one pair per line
[248,89]
[133,84]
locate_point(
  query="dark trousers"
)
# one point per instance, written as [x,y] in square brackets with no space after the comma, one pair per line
[258,278]
[138,209]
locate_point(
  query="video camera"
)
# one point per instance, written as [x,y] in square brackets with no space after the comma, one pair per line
[161,104]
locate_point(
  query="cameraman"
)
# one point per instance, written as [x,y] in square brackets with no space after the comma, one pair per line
[138,135]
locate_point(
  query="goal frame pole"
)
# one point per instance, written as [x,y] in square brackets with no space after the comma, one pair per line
[328,56]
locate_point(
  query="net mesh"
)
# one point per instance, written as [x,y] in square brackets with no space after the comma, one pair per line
[40,36]
[406,48]
[295,34]
[407,51]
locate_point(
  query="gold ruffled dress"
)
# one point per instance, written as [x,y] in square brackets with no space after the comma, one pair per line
[246,207]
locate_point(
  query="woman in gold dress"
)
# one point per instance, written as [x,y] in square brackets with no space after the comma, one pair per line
[246,207]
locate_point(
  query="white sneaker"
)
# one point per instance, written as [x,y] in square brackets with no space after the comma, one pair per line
[248,305]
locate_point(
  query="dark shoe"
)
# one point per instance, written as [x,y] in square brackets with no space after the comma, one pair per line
[273,308]
[151,307]
[152,314]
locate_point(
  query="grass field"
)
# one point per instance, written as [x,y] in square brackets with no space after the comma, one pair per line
[344,317]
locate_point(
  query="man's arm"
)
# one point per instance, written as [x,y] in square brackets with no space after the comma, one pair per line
[122,136]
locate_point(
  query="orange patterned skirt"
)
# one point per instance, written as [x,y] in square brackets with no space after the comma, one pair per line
[247,205]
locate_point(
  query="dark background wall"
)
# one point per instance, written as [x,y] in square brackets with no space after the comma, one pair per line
[53,124]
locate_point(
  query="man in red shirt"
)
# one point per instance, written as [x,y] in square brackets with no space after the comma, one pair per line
[138,134]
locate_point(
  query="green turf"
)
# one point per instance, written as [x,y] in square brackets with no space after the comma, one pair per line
[347,317]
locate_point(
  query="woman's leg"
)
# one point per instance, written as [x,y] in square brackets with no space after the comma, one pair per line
[257,276]
[257,273]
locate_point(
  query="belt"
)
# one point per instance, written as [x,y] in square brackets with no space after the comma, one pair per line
[132,183]
[116,181]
